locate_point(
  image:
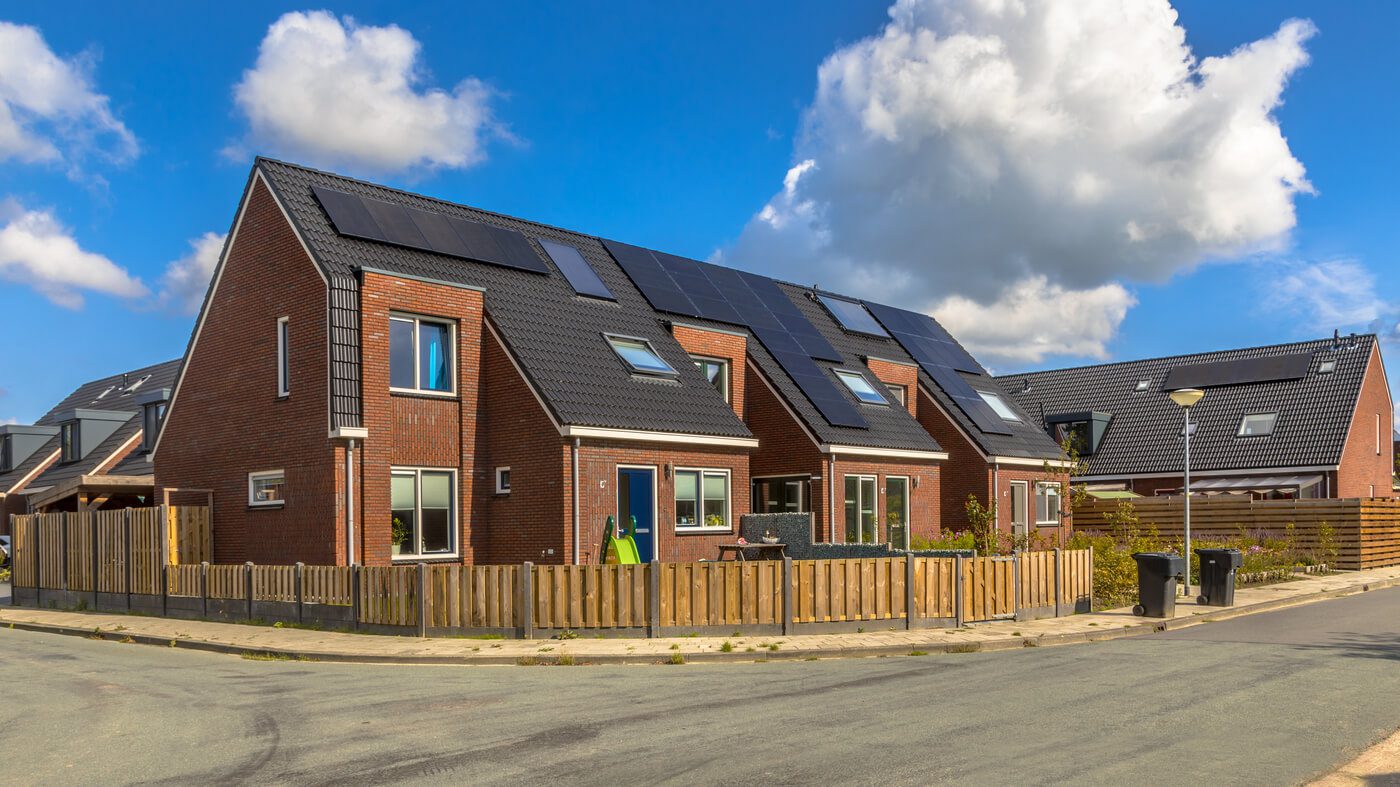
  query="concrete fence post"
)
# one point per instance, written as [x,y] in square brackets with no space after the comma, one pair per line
[204,589]
[654,599]
[526,602]
[354,597]
[423,599]
[248,585]
[1091,581]
[14,536]
[39,564]
[301,591]
[959,588]
[1059,583]
[908,592]
[164,590]
[787,596]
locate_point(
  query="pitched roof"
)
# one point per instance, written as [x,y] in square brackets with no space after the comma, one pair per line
[557,336]
[1144,436]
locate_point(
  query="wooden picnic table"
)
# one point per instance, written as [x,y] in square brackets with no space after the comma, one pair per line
[764,550]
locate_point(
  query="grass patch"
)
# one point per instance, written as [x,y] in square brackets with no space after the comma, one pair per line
[564,660]
[727,647]
[965,647]
[774,646]
[527,661]
[918,653]
[675,646]
[676,658]
[251,655]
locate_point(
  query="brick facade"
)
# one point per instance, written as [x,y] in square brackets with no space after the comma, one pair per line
[725,346]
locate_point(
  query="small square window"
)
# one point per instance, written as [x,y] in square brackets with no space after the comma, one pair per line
[861,387]
[503,480]
[999,406]
[1257,424]
[1328,366]
[267,488]
[717,372]
[897,392]
[1143,385]
[639,356]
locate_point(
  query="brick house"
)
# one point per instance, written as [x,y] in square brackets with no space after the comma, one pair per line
[1300,420]
[378,376]
[91,450]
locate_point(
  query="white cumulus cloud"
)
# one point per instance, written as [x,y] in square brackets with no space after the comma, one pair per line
[1333,294]
[1034,318]
[49,110]
[977,149]
[185,280]
[332,92]
[37,251]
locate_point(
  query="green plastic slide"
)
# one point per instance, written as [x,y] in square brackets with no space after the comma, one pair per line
[621,549]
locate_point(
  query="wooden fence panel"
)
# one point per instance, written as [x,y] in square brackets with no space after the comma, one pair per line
[855,589]
[327,585]
[228,582]
[935,587]
[50,551]
[111,552]
[80,546]
[715,594]
[147,549]
[472,596]
[275,583]
[590,597]
[24,539]
[989,588]
[1379,536]
[183,580]
[1076,576]
[389,595]
[190,531]
[1037,582]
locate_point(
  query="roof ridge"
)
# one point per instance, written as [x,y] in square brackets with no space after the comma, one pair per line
[1020,375]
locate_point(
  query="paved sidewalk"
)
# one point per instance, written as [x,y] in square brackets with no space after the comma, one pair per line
[1378,765]
[587,649]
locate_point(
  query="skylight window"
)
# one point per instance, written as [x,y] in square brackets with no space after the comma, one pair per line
[1143,385]
[861,387]
[1328,366]
[999,406]
[639,356]
[852,316]
[1257,424]
[103,395]
[132,388]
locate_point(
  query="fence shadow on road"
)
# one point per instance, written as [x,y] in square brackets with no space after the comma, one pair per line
[1384,646]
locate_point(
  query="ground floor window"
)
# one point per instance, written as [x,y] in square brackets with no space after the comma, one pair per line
[787,495]
[267,488]
[860,510]
[897,511]
[1047,504]
[702,499]
[424,512]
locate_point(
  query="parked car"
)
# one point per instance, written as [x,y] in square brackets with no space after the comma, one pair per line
[4,551]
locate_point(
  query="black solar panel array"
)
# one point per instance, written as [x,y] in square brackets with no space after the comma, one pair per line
[942,358]
[1239,372]
[712,292]
[386,222]
[576,269]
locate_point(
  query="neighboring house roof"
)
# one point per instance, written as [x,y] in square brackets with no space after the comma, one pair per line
[90,396]
[1144,434]
[556,336]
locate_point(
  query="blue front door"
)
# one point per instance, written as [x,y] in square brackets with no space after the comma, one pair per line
[636,498]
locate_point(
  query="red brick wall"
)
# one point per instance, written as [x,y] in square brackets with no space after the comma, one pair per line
[725,346]
[898,374]
[227,419]
[1364,471]
[410,430]
[924,503]
[783,446]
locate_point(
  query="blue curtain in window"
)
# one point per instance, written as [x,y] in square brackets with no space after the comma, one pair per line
[432,355]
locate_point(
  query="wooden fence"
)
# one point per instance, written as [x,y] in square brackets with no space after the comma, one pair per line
[1365,531]
[656,599]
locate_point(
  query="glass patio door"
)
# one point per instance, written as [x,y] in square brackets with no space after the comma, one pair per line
[860,510]
[897,511]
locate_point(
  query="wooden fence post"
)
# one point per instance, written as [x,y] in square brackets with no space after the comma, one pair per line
[958,591]
[1059,583]
[654,599]
[526,602]
[204,589]
[1015,585]
[39,564]
[63,545]
[787,596]
[248,585]
[14,536]
[126,563]
[92,517]
[1091,580]
[908,592]
[423,600]
[301,595]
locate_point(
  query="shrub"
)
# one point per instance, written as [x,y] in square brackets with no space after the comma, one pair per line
[947,540]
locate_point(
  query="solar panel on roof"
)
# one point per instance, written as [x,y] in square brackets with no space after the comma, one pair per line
[852,316]
[387,222]
[1239,372]
[576,270]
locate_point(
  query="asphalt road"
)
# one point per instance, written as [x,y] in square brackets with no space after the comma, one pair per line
[1268,699]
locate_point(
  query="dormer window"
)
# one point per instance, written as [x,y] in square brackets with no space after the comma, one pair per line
[640,356]
[7,460]
[999,406]
[1257,425]
[716,371]
[68,441]
[152,415]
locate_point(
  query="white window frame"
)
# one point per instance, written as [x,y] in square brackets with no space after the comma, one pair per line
[1245,419]
[263,475]
[1378,444]
[849,376]
[284,371]
[456,512]
[417,389]
[995,401]
[908,506]
[724,365]
[700,526]
[899,393]
[1059,500]
[1027,501]
[875,508]
[503,472]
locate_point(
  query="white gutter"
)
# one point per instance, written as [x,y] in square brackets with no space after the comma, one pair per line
[890,453]
[1021,461]
[599,433]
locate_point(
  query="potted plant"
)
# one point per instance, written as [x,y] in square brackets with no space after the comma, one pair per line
[398,534]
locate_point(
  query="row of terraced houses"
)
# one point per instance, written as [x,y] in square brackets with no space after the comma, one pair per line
[378,376]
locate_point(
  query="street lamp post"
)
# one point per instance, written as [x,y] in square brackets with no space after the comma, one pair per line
[1186,397]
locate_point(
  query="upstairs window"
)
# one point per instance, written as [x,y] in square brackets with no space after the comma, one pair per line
[1257,425]
[68,437]
[1142,385]
[999,406]
[420,355]
[152,415]
[717,372]
[1076,433]
[861,387]
[131,389]
[898,393]
[284,372]
[7,461]
[639,356]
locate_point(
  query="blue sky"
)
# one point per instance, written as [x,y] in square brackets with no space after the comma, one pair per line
[665,125]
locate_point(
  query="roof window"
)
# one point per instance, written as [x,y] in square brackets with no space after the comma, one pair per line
[999,406]
[860,386]
[1257,425]
[1328,366]
[130,389]
[639,356]
[1143,385]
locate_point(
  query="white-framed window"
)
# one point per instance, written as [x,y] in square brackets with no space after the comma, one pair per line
[999,406]
[69,442]
[503,480]
[702,499]
[716,370]
[423,506]
[639,355]
[152,414]
[1328,366]
[1257,425]
[897,511]
[1047,503]
[420,355]
[1142,385]
[898,393]
[267,488]
[1378,436]
[284,371]
[861,527]
[861,387]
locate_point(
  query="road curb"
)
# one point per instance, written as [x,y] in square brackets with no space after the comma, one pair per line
[793,654]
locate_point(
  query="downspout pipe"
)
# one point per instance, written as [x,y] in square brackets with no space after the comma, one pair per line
[573,464]
[996,498]
[350,502]
[831,498]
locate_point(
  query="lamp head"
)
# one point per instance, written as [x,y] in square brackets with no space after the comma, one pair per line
[1187,396]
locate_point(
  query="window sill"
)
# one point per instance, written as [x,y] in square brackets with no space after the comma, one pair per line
[502,493]
[413,393]
[266,506]
[1047,524]
[435,558]
[686,530]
